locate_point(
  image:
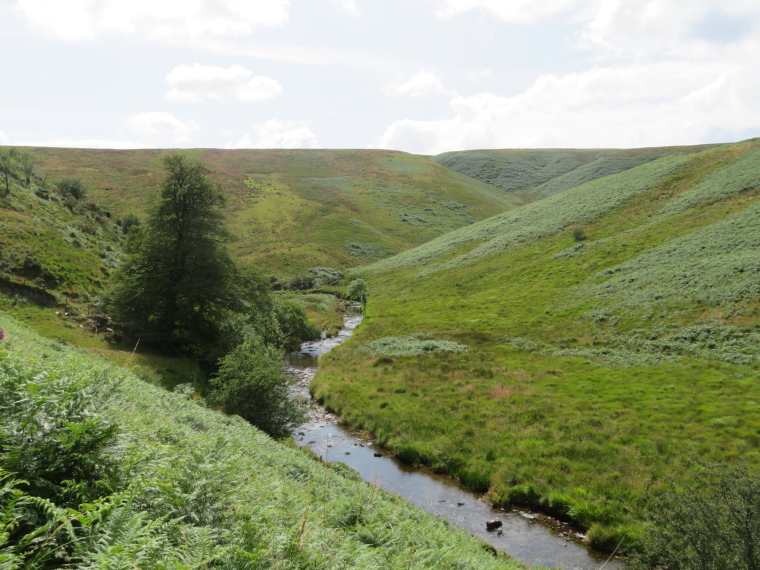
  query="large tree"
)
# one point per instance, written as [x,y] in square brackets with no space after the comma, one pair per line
[178,280]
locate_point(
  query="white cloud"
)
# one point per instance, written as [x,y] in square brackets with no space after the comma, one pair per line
[162,126]
[276,133]
[349,6]
[633,105]
[661,28]
[196,83]
[480,74]
[512,11]
[4,138]
[424,83]
[161,20]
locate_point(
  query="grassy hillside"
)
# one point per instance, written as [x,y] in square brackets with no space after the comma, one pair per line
[56,256]
[540,173]
[594,370]
[293,210]
[118,473]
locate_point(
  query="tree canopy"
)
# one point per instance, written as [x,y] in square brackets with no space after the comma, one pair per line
[174,288]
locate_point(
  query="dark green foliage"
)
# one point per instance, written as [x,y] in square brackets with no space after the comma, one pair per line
[579,234]
[293,325]
[73,187]
[252,384]
[7,166]
[129,221]
[51,437]
[173,291]
[712,527]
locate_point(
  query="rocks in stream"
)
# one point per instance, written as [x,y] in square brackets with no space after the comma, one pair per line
[493,524]
[378,454]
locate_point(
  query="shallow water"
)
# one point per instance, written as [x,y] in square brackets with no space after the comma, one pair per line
[532,538]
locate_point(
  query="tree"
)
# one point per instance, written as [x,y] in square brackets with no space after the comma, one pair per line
[357,291]
[27,162]
[7,166]
[252,384]
[174,288]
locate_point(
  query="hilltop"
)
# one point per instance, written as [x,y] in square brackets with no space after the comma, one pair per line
[539,173]
[575,353]
[291,210]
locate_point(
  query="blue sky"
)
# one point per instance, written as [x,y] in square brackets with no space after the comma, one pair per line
[423,76]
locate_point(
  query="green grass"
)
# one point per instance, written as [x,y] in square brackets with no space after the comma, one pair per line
[595,371]
[293,210]
[192,487]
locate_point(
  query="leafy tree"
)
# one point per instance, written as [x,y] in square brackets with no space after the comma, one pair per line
[252,384]
[27,162]
[175,287]
[357,291]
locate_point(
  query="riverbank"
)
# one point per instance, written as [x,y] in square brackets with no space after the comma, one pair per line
[529,537]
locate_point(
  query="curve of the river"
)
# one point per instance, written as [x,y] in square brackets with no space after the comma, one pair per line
[532,538]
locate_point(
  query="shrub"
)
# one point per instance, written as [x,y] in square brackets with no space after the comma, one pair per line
[252,384]
[130,220]
[412,345]
[579,234]
[713,525]
[72,186]
[325,275]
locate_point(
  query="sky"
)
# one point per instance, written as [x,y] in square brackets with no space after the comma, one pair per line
[421,76]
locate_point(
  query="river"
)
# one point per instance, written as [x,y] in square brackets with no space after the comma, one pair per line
[529,537]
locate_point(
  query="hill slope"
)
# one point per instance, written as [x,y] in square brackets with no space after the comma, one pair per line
[130,474]
[594,370]
[293,210]
[536,174]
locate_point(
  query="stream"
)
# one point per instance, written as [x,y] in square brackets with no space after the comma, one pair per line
[535,539]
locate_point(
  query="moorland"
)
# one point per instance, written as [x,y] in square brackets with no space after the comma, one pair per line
[573,331]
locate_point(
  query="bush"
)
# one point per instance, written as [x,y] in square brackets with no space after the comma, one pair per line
[357,290]
[252,384]
[130,220]
[715,525]
[73,187]
[325,275]
[579,234]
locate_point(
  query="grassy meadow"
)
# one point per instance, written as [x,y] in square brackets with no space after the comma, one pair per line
[600,365]
[290,210]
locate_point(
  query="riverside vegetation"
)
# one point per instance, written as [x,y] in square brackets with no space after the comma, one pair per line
[591,353]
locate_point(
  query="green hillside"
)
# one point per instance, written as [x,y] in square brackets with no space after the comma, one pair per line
[291,210]
[101,470]
[536,174]
[610,340]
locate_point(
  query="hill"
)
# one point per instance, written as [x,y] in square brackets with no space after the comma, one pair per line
[101,470]
[539,173]
[291,210]
[576,353]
